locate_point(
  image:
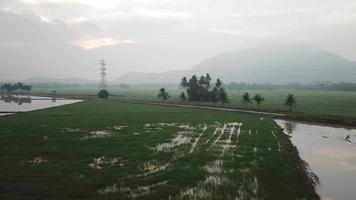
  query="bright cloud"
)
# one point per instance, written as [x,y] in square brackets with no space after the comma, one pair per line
[160,13]
[94,43]
[225,31]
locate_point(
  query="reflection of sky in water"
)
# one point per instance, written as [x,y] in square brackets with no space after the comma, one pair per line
[36,103]
[329,155]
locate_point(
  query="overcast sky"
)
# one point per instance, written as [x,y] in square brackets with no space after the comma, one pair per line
[67,38]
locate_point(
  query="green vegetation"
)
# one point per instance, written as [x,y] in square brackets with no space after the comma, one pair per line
[331,104]
[291,102]
[8,87]
[246,99]
[199,90]
[103,94]
[258,99]
[110,150]
[163,94]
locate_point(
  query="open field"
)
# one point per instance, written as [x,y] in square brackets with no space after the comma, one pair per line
[110,150]
[328,103]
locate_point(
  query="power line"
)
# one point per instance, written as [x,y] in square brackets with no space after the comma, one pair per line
[102,82]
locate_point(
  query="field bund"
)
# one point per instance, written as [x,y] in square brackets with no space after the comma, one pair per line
[112,150]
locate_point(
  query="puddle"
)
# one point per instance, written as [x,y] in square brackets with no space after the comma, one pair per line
[177,141]
[100,162]
[37,161]
[329,155]
[97,134]
[152,167]
[132,192]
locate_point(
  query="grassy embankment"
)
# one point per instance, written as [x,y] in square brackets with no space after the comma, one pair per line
[112,150]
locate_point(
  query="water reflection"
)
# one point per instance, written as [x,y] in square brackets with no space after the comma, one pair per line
[12,104]
[16,99]
[290,126]
[329,155]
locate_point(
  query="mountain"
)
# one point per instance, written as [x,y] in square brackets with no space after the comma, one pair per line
[277,65]
[63,81]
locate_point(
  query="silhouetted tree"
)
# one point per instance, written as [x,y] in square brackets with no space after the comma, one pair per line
[223,97]
[218,83]
[200,89]
[182,96]
[215,95]
[246,99]
[163,94]
[258,98]
[184,83]
[208,80]
[103,94]
[291,101]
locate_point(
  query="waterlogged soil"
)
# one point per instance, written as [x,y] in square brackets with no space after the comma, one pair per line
[108,150]
[329,155]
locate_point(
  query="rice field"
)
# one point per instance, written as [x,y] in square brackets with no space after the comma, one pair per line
[111,150]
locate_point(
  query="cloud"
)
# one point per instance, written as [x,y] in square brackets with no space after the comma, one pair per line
[93,4]
[157,13]
[13,45]
[225,31]
[93,43]
[339,17]
[274,13]
[75,20]
[45,19]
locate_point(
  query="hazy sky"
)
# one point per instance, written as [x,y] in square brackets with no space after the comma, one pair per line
[67,38]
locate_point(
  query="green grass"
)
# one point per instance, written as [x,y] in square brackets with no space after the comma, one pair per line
[252,167]
[327,103]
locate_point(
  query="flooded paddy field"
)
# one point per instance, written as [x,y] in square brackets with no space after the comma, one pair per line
[110,150]
[17,103]
[330,153]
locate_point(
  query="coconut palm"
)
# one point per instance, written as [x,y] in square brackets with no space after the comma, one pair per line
[246,99]
[163,94]
[291,102]
[258,98]
[223,96]
[182,96]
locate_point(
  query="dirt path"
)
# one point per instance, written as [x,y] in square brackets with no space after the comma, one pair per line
[203,107]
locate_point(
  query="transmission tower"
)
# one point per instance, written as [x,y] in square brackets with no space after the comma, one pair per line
[102,83]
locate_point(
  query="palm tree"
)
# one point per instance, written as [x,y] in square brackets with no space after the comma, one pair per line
[184,83]
[223,96]
[182,96]
[163,94]
[258,98]
[246,99]
[291,101]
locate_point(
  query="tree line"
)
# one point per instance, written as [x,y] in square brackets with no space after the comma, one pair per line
[290,101]
[325,86]
[17,86]
[202,89]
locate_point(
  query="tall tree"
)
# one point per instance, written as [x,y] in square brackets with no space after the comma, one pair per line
[208,80]
[163,94]
[246,99]
[218,83]
[215,95]
[291,102]
[182,96]
[258,98]
[223,97]
[184,83]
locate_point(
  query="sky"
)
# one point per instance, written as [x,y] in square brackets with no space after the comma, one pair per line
[67,38]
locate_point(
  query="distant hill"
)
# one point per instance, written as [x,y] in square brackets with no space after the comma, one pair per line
[62,81]
[277,65]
